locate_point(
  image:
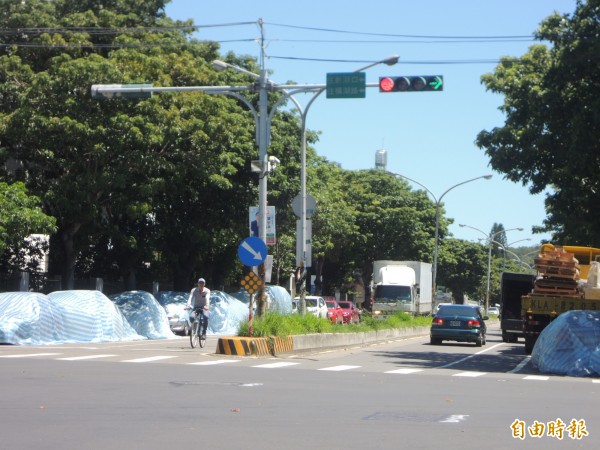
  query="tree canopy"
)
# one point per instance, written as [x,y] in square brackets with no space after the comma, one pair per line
[551,136]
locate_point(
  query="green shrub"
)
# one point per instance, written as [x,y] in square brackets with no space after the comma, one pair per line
[274,324]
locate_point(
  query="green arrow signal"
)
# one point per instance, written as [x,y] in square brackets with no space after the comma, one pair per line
[436,84]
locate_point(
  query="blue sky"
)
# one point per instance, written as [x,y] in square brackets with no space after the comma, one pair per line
[428,136]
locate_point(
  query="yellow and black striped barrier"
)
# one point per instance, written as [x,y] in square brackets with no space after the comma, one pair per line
[254,346]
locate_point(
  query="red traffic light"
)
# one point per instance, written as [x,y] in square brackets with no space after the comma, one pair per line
[386,84]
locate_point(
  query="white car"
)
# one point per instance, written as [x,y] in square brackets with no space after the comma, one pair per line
[314,305]
[493,311]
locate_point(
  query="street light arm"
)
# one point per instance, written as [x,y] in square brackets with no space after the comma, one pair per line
[486,177]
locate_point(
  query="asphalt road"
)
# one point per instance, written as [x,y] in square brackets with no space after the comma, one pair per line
[401,394]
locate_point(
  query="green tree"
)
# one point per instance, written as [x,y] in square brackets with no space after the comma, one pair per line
[551,136]
[20,216]
[462,268]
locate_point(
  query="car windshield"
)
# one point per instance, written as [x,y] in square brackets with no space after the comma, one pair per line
[330,304]
[311,302]
[457,310]
[391,294]
[346,305]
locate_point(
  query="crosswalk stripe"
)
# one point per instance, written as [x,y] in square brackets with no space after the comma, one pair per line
[80,358]
[469,374]
[276,365]
[404,371]
[27,355]
[536,377]
[212,363]
[339,368]
[150,359]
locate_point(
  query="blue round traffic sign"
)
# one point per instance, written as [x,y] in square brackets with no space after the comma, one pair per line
[252,251]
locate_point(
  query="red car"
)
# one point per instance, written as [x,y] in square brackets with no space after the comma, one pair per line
[350,312]
[334,312]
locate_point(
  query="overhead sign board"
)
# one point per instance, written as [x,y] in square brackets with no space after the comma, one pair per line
[346,85]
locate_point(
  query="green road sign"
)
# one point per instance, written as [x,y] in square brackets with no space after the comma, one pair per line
[346,85]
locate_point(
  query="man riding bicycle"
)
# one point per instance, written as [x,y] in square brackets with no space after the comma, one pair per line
[199,303]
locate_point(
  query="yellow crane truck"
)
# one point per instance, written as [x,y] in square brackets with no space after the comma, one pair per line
[567,280]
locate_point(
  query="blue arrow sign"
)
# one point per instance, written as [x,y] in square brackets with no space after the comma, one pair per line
[252,251]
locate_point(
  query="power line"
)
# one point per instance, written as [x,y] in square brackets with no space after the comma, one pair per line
[331,30]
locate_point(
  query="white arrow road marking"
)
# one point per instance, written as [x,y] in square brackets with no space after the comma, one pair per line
[254,253]
[454,418]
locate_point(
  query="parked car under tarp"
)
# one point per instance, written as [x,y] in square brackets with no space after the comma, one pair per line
[62,317]
[278,299]
[570,345]
[143,312]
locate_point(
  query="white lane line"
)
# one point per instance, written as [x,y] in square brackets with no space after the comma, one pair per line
[150,359]
[521,365]
[595,381]
[80,358]
[212,363]
[276,365]
[28,355]
[536,377]
[470,356]
[404,371]
[469,374]
[339,368]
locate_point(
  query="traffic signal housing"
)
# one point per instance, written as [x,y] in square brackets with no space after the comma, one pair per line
[411,83]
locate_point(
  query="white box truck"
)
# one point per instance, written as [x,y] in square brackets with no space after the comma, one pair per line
[401,286]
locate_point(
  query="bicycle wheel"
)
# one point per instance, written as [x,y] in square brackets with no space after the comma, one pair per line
[194,334]
[202,340]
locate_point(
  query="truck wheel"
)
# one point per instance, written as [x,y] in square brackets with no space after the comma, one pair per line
[505,337]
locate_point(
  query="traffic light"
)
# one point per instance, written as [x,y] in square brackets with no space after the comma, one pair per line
[411,83]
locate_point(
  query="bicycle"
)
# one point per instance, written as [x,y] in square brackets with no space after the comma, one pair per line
[196,336]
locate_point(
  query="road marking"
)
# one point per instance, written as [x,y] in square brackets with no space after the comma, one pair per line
[404,371]
[79,358]
[470,356]
[536,377]
[276,365]
[150,359]
[455,418]
[212,363]
[469,374]
[339,368]
[28,355]
[521,365]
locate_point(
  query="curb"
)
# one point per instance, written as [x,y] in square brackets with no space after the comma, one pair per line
[273,345]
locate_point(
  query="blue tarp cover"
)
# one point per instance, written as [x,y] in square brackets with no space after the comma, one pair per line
[570,345]
[61,317]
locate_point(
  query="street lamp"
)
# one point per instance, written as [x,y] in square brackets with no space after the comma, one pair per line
[505,250]
[490,239]
[263,139]
[437,217]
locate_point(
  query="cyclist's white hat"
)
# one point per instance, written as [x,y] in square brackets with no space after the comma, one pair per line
[201,280]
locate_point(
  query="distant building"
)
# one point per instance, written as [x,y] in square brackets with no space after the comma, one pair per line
[381,159]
